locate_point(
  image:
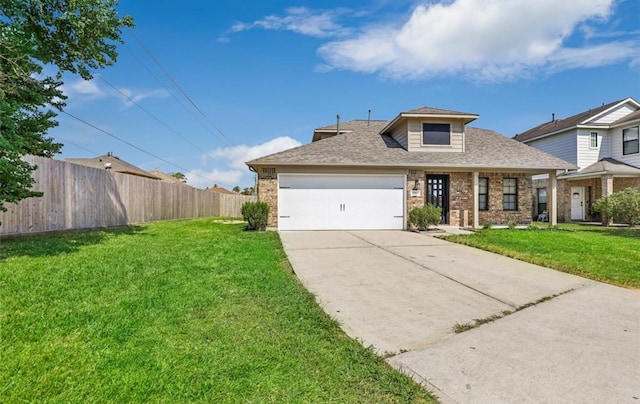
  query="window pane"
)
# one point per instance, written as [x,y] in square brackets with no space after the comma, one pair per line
[594,139]
[436,133]
[509,194]
[630,141]
[483,193]
[630,134]
[542,195]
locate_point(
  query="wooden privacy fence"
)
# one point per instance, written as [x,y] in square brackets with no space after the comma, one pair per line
[79,197]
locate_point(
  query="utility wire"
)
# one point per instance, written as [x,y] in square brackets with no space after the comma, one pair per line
[66,141]
[184,93]
[151,115]
[134,146]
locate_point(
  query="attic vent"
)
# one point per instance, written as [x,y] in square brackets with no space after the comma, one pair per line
[268,173]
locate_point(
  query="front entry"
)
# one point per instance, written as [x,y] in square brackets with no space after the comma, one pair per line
[438,194]
[577,203]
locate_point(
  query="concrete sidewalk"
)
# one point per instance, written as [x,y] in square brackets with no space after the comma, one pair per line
[403,292]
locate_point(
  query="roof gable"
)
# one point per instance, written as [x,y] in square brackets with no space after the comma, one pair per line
[592,117]
[114,163]
[429,112]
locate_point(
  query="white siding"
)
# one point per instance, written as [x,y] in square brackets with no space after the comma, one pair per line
[563,146]
[588,155]
[400,134]
[415,137]
[613,115]
[616,148]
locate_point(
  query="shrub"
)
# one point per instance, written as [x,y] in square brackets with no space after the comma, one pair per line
[511,225]
[256,214]
[424,216]
[622,206]
[487,225]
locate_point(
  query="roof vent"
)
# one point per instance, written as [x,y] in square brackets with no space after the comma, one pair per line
[553,117]
[338,124]
[369,118]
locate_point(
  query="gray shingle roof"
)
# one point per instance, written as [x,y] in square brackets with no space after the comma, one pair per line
[356,124]
[435,111]
[115,164]
[367,147]
[607,166]
[560,124]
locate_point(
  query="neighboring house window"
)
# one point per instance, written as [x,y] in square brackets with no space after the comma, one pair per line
[630,141]
[436,133]
[593,140]
[542,200]
[510,194]
[483,193]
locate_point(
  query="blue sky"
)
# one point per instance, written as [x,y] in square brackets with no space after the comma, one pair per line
[264,74]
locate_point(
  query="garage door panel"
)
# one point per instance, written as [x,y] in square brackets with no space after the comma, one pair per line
[349,203]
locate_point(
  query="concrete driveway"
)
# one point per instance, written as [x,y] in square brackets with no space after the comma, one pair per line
[402,293]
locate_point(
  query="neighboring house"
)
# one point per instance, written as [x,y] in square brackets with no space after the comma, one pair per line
[221,190]
[603,142]
[372,173]
[113,163]
[167,177]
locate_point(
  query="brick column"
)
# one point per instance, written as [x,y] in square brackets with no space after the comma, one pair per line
[552,199]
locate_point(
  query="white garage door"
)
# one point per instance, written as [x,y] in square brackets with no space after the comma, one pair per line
[340,202]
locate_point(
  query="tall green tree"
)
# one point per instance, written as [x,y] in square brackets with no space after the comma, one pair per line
[40,40]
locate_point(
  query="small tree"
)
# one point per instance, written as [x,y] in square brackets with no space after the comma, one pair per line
[424,216]
[236,189]
[256,214]
[622,206]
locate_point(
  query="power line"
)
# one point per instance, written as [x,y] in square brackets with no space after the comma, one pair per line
[175,83]
[134,146]
[152,115]
[66,141]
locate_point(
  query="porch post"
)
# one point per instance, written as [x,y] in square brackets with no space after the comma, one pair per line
[552,199]
[607,189]
[476,203]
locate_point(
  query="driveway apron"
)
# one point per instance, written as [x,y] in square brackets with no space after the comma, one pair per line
[402,293]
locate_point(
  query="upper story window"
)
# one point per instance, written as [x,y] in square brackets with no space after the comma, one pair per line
[593,140]
[436,134]
[630,140]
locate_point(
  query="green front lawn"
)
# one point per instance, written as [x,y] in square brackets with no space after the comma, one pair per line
[608,254]
[189,311]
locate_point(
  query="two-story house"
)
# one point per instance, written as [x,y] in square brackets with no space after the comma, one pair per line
[366,174]
[602,142]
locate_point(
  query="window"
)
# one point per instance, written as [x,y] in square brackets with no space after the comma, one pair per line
[510,194]
[483,193]
[593,140]
[436,133]
[630,141]
[542,200]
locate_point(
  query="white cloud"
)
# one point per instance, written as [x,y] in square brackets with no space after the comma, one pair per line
[301,20]
[236,156]
[129,97]
[90,90]
[231,169]
[490,40]
[199,178]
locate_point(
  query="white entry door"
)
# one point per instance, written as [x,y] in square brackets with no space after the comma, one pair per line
[577,203]
[340,202]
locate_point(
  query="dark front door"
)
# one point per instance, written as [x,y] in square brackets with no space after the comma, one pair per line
[438,193]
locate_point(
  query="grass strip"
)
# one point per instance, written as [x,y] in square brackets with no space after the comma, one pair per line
[181,311]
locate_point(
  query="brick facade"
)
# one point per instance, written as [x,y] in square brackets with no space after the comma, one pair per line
[593,190]
[460,196]
[495,214]
[268,192]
